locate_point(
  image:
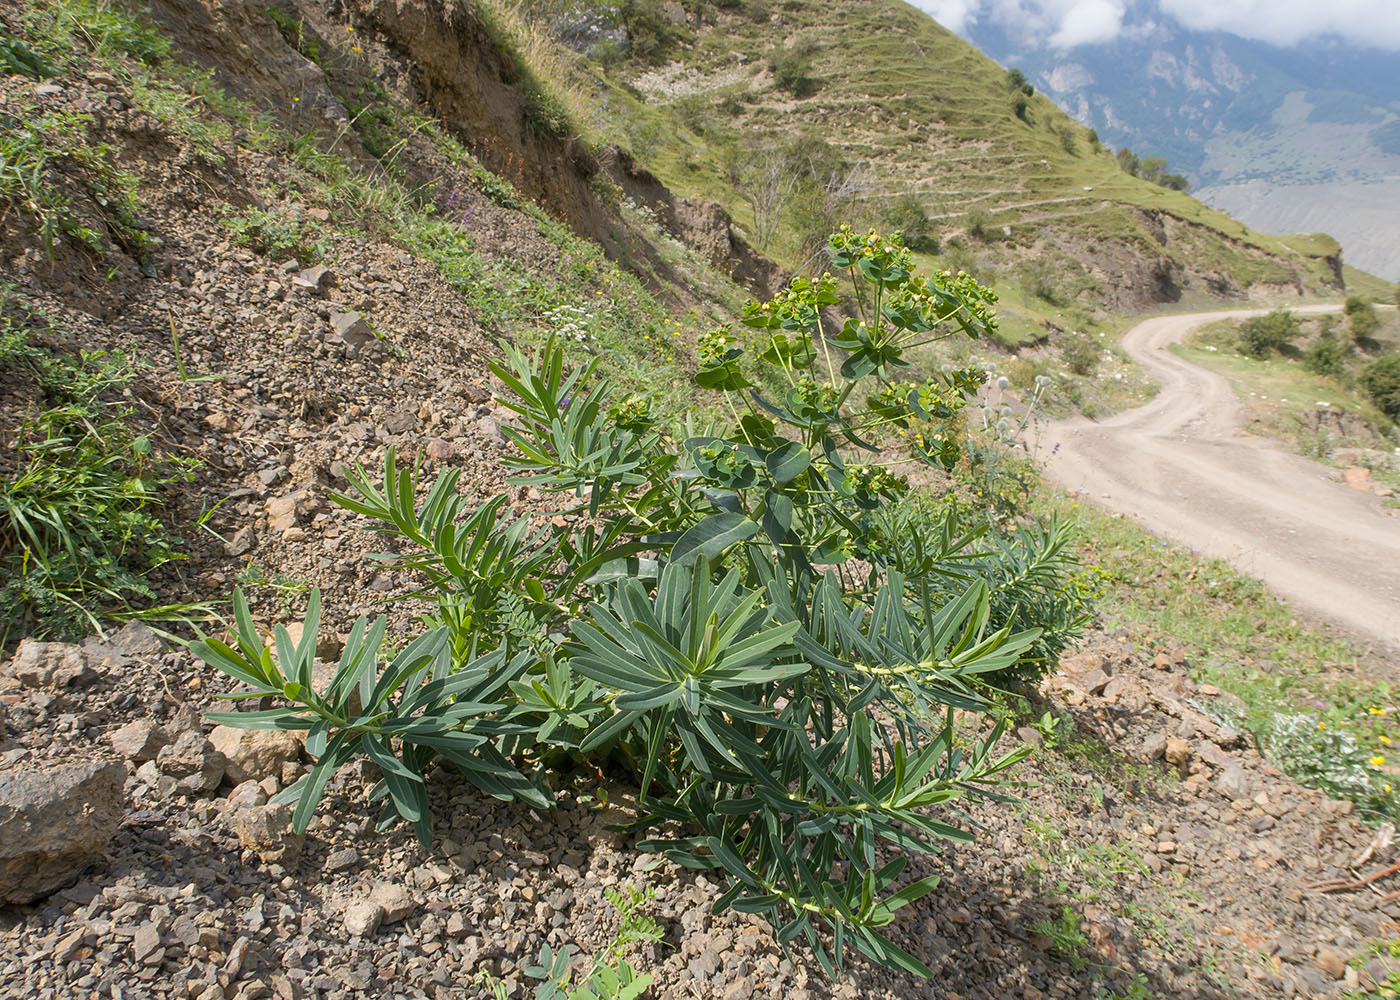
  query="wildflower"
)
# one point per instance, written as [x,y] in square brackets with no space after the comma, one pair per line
[1385,740]
[1377,761]
[1376,711]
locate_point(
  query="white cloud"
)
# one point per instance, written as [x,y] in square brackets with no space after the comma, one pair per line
[1086,22]
[955,15]
[1288,22]
[1064,24]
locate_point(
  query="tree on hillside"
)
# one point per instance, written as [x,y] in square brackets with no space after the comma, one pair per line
[1361,317]
[792,70]
[1325,356]
[1016,80]
[908,215]
[1151,168]
[1262,334]
[767,185]
[1381,380]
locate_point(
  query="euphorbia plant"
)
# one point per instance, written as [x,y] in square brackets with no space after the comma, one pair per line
[797,718]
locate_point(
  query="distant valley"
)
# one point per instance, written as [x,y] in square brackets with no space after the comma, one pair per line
[1286,139]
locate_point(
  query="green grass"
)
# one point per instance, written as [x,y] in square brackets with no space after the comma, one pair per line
[1282,398]
[924,112]
[1365,284]
[1320,706]
[1388,953]
[79,533]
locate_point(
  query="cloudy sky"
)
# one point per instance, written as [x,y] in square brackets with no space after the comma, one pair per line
[1067,23]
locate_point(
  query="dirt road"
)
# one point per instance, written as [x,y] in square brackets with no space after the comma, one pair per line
[1180,466]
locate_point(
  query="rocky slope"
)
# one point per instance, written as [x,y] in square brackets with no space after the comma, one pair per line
[331,276]
[1152,854]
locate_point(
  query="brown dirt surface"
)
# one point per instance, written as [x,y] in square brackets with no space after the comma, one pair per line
[1184,860]
[1181,466]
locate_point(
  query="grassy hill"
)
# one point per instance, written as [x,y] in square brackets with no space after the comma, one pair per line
[886,118]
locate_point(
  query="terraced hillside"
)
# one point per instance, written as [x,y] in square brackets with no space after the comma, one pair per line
[889,104]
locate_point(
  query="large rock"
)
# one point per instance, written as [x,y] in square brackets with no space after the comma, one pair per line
[141,740]
[254,754]
[352,330]
[55,822]
[267,831]
[50,664]
[193,762]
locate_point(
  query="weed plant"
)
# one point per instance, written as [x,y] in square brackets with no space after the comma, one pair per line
[78,531]
[790,665]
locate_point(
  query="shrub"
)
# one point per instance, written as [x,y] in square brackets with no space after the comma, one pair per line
[1361,317]
[1081,354]
[1263,334]
[1039,276]
[1381,380]
[978,222]
[1020,106]
[650,33]
[792,70]
[786,712]
[1325,357]
[908,215]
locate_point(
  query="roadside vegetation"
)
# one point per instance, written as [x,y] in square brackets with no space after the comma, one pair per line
[789,655]
[1327,386]
[80,532]
[1322,708]
[788,572]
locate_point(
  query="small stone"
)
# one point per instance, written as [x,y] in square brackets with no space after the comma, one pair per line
[1213,755]
[254,754]
[50,664]
[267,831]
[248,794]
[241,542]
[352,330]
[363,917]
[1358,478]
[315,279]
[193,762]
[55,821]
[1331,963]
[394,900]
[1232,783]
[1178,751]
[140,741]
[145,942]
[342,860]
[1095,682]
[283,512]
[1166,847]
[1154,746]
[237,958]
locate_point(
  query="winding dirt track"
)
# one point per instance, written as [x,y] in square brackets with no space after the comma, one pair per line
[1181,466]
